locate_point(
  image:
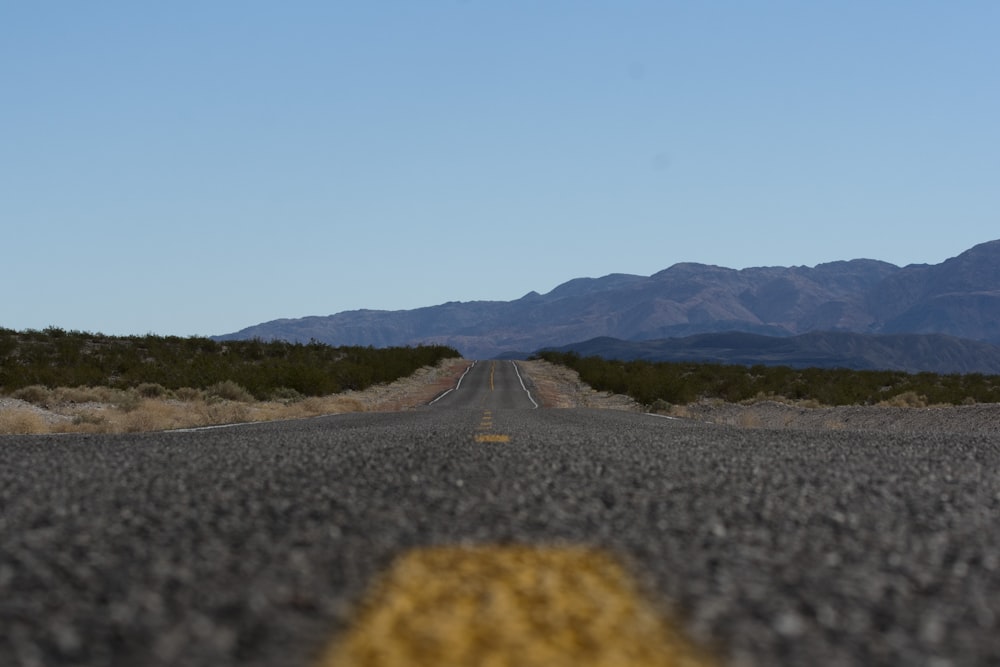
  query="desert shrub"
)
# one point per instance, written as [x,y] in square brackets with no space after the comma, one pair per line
[908,399]
[35,394]
[228,390]
[659,407]
[127,401]
[189,394]
[222,413]
[286,395]
[17,421]
[81,394]
[92,417]
[150,416]
[151,390]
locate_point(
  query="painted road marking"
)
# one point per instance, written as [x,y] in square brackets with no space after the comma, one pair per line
[486,428]
[509,606]
[492,437]
[457,386]
[521,379]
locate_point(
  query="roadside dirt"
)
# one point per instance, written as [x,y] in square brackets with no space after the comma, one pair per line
[981,419]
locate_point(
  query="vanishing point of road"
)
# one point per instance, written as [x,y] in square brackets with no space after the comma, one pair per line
[481,529]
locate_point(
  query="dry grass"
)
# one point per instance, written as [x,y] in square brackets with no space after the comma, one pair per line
[21,421]
[908,399]
[106,410]
[163,414]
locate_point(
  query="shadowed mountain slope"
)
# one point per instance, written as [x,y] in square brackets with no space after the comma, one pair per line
[959,297]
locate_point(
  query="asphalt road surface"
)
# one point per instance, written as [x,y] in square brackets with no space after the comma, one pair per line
[253,545]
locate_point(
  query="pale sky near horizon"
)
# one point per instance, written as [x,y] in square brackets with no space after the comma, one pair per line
[198,167]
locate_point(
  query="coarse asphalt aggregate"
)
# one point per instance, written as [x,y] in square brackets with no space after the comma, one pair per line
[252,545]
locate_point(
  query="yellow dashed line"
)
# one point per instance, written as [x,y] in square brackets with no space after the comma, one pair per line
[485,426]
[509,606]
[492,437]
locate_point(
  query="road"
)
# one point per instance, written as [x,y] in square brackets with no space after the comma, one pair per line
[255,544]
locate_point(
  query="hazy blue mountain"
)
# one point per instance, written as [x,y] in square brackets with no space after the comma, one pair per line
[959,298]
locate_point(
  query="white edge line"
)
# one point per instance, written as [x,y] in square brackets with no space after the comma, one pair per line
[457,384]
[530,398]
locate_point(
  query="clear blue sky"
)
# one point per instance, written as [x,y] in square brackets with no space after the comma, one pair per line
[197,167]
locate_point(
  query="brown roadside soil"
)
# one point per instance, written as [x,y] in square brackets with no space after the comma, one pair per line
[553,386]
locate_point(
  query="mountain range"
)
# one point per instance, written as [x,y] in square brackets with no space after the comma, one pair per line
[956,299]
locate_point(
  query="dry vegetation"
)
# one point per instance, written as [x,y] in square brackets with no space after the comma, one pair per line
[149,407]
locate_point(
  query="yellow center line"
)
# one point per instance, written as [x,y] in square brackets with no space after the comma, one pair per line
[485,428]
[492,437]
[507,606]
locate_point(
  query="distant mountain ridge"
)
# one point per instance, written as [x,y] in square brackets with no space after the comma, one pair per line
[959,297]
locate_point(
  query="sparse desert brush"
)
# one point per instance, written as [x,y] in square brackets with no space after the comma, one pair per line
[127,400]
[20,421]
[660,407]
[189,394]
[151,390]
[35,394]
[286,395]
[90,417]
[152,415]
[81,394]
[908,399]
[220,412]
[228,390]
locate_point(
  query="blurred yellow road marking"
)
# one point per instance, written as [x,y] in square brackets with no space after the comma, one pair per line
[509,606]
[485,426]
[492,437]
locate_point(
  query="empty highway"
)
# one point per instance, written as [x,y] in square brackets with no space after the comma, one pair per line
[274,544]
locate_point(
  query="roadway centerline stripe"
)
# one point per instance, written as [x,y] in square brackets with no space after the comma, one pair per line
[508,606]
[492,437]
[485,428]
